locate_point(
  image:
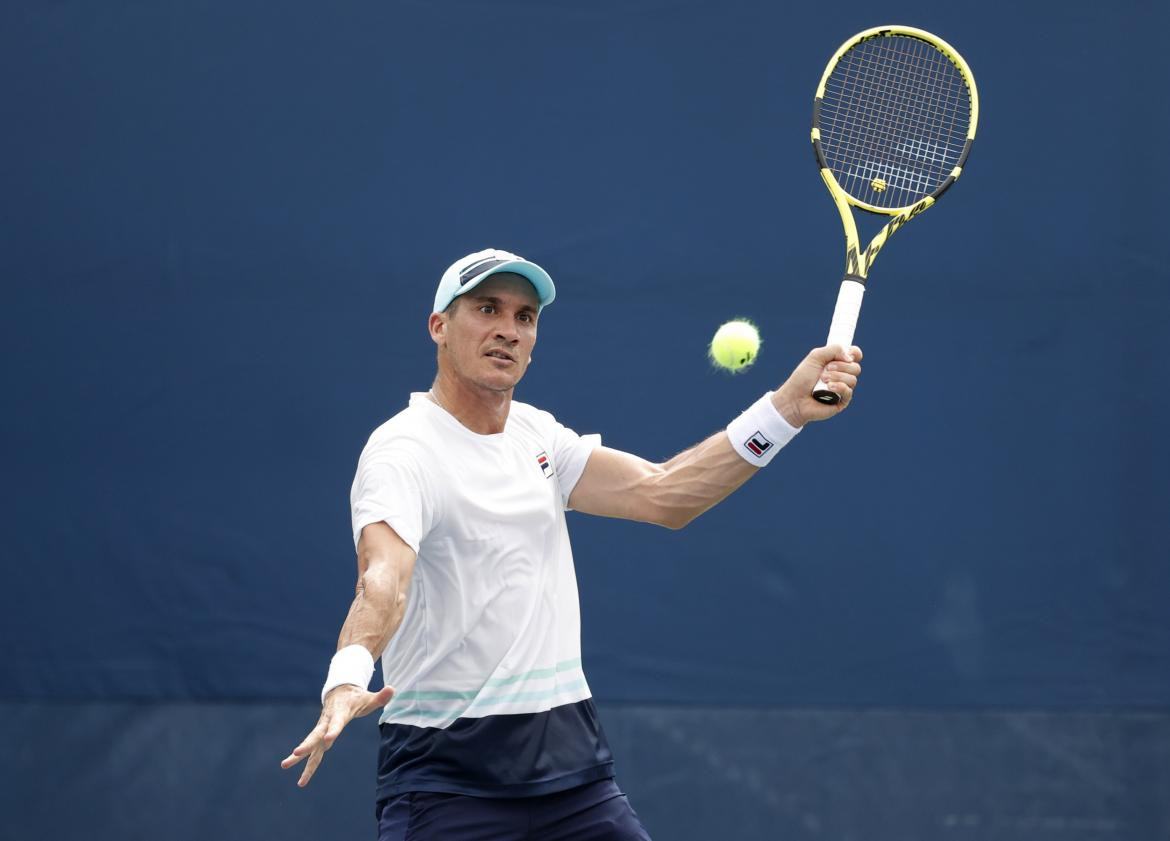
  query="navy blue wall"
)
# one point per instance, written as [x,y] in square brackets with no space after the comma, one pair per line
[222,228]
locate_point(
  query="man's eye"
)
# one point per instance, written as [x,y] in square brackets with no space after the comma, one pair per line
[487,308]
[526,316]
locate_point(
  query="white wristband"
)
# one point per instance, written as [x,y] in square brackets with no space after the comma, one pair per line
[760,432]
[352,665]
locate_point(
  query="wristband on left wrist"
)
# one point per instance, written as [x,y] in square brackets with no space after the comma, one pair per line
[352,665]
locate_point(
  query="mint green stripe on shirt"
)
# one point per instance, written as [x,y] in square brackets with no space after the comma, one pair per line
[539,695]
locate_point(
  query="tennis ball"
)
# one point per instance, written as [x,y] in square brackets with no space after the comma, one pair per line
[735,345]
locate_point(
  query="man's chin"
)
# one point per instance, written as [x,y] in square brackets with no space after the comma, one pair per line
[500,380]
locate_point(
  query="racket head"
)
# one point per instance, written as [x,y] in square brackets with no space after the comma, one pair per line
[894,117]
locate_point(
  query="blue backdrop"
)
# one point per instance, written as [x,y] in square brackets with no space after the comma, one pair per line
[222,228]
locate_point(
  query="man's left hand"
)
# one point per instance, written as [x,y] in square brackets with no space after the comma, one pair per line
[342,705]
[836,366]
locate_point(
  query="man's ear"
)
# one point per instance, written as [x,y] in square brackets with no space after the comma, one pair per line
[437,326]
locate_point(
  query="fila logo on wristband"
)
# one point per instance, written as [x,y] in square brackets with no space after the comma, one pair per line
[758,444]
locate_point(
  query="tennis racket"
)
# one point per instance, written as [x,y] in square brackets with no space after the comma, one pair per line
[893,121]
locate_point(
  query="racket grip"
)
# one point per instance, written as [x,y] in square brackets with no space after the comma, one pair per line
[843,327]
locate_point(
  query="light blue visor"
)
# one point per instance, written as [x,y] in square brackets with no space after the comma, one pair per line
[466,274]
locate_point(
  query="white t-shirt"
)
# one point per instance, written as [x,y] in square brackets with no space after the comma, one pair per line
[492,623]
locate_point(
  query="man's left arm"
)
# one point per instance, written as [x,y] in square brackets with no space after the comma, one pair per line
[671,494]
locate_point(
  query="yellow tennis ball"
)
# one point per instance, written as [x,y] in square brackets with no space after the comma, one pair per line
[735,345]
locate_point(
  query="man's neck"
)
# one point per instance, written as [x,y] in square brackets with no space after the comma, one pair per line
[481,410]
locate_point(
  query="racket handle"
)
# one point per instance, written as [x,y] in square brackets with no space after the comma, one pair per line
[843,326]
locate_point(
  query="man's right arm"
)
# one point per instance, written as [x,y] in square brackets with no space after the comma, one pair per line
[385,565]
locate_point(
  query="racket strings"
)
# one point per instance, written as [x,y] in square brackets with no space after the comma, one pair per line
[878,98]
[893,120]
[886,114]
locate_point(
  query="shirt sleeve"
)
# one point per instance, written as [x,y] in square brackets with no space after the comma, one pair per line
[390,488]
[570,452]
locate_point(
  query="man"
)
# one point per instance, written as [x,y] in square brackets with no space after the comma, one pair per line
[466,588]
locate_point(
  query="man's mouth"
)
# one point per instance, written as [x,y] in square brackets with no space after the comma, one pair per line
[499,354]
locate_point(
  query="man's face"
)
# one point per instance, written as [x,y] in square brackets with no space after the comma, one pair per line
[486,336]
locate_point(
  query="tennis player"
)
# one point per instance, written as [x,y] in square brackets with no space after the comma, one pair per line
[466,588]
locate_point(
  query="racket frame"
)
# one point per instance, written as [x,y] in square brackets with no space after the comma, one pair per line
[857,262]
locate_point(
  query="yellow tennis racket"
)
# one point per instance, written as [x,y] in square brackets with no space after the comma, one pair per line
[893,121]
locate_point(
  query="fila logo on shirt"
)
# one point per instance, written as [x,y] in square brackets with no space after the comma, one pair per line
[542,460]
[758,444]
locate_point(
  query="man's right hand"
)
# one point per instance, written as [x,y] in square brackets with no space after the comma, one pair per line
[342,705]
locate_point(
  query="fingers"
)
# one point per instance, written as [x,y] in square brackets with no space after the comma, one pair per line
[314,746]
[311,766]
[841,371]
[842,389]
[821,356]
[852,368]
[376,701]
[306,747]
[319,740]
[835,375]
[336,725]
[828,353]
[840,375]
[342,705]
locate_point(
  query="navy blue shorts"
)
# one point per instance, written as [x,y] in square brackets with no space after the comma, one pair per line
[596,811]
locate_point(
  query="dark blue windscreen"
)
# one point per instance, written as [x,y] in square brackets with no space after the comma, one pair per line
[223,225]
